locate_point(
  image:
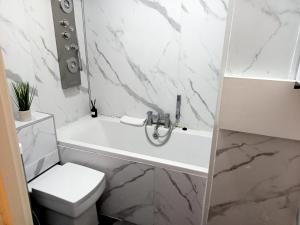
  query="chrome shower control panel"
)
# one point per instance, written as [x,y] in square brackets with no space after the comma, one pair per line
[66,5]
[69,58]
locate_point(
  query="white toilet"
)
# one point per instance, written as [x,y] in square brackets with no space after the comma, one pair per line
[68,193]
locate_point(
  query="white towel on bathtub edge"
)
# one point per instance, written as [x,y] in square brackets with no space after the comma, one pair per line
[132,121]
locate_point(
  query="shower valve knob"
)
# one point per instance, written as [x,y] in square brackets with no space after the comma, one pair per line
[64,23]
[66,35]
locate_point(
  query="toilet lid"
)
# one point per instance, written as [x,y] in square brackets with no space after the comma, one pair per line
[70,182]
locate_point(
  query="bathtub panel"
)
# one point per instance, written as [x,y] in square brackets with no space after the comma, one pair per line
[179,198]
[129,191]
[129,194]
[141,193]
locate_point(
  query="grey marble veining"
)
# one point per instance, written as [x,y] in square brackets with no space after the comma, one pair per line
[264,38]
[143,194]
[39,146]
[29,51]
[133,185]
[260,176]
[129,192]
[15,42]
[162,11]
[145,62]
[178,198]
[146,52]
[69,104]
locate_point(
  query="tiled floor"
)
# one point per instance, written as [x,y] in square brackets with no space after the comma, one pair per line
[103,220]
[110,221]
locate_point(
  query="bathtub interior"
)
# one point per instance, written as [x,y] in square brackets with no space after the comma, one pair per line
[189,147]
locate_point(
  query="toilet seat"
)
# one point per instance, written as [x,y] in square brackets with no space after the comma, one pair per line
[69,189]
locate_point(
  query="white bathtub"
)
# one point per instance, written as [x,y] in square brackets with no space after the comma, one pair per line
[146,185]
[186,151]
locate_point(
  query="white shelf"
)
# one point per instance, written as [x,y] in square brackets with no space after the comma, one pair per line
[36,117]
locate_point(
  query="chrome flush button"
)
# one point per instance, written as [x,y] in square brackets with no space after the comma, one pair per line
[66,6]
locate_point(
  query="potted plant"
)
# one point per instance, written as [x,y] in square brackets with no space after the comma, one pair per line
[23,97]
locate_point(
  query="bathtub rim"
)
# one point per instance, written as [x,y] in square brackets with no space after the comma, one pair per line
[64,129]
[130,156]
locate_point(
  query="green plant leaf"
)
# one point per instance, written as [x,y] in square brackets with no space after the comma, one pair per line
[23,95]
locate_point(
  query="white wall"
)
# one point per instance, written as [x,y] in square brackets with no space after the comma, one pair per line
[28,44]
[264,38]
[143,53]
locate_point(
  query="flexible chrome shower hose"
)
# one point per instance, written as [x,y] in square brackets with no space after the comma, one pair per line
[166,136]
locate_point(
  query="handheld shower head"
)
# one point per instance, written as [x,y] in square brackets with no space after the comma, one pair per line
[178,106]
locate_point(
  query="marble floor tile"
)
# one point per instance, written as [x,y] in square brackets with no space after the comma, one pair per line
[256,180]
[104,220]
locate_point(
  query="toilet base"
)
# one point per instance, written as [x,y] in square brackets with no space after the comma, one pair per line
[89,217]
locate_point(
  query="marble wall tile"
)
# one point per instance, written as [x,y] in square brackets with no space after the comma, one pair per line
[143,53]
[71,103]
[202,37]
[15,42]
[133,49]
[129,192]
[39,146]
[256,180]
[29,50]
[179,198]
[264,38]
